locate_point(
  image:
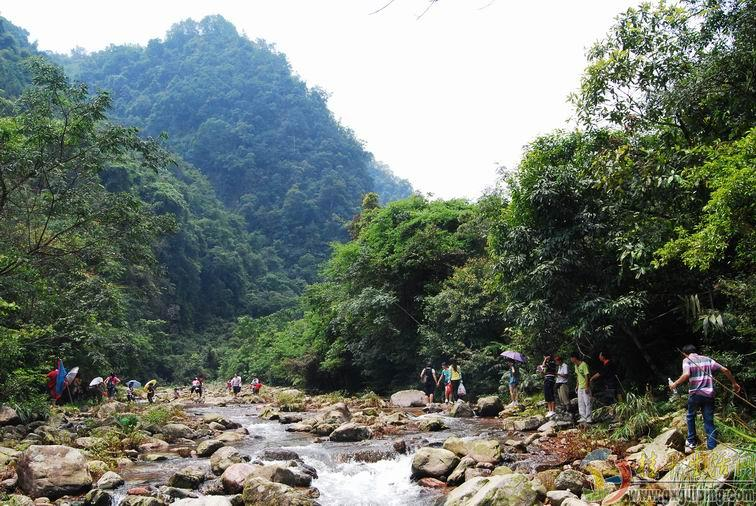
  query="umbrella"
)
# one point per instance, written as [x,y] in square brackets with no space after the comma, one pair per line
[96,381]
[514,355]
[133,384]
[72,374]
[151,382]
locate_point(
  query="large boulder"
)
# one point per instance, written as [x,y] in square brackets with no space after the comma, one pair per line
[334,414]
[208,447]
[261,492]
[291,476]
[571,480]
[434,462]
[481,450]
[461,409]
[53,471]
[408,399]
[656,459]
[233,477]
[8,416]
[671,438]
[109,481]
[500,490]
[175,431]
[223,458]
[351,432]
[188,477]
[490,405]
[432,424]
[708,469]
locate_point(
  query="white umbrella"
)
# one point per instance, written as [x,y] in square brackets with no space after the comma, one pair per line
[133,384]
[96,381]
[72,374]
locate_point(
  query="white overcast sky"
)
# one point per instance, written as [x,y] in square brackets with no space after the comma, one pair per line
[442,100]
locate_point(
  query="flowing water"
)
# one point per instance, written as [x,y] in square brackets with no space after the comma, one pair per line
[364,473]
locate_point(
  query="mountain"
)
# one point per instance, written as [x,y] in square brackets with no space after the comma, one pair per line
[267,142]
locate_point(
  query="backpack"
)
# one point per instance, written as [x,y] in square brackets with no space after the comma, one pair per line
[427,375]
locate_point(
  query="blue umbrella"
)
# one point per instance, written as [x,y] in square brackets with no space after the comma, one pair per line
[514,355]
[133,384]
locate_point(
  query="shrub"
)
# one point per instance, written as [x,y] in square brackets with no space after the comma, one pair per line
[160,415]
[635,415]
[290,400]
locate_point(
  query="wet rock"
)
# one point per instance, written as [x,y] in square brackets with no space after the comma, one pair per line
[153,445]
[223,458]
[431,483]
[139,491]
[53,471]
[133,500]
[175,431]
[484,450]
[350,432]
[490,405]
[233,477]
[548,478]
[461,409]
[158,457]
[203,501]
[400,446]
[287,418]
[517,445]
[432,424]
[397,418]
[456,445]
[458,475]
[307,427]
[208,447]
[335,414]
[571,480]
[557,497]
[279,454]
[269,414]
[474,472]
[219,419]
[98,497]
[602,467]
[523,423]
[216,426]
[230,437]
[261,492]
[178,493]
[510,489]
[290,476]
[188,477]
[183,452]
[433,462]
[408,399]
[109,481]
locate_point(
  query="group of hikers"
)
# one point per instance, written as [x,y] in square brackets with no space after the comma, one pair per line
[601,384]
[234,385]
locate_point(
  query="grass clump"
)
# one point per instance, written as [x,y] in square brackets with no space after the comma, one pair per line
[290,400]
[635,416]
[160,415]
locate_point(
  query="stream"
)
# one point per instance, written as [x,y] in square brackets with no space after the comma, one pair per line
[344,477]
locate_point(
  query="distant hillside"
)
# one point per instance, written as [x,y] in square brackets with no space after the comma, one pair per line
[268,143]
[14,47]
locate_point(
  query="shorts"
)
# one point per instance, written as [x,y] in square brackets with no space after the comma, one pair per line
[429,388]
[237,389]
[549,385]
[514,381]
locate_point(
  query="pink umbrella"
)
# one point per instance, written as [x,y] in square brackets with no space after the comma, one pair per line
[514,355]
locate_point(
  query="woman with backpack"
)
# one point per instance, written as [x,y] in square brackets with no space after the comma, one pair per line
[429,380]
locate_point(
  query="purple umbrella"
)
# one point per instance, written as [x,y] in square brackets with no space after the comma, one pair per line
[514,355]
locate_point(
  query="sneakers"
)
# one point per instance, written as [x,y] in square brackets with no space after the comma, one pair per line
[549,414]
[689,447]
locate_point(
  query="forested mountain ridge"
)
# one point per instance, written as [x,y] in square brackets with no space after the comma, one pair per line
[233,108]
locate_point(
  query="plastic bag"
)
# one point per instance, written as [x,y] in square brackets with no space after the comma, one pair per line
[461,391]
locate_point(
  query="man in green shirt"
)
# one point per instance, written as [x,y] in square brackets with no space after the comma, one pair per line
[583,388]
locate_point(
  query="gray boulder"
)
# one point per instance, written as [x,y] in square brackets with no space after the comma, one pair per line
[188,477]
[233,477]
[98,497]
[408,399]
[334,414]
[109,481]
[223,458]
[175,431]
[458,475]
[500,490]
[556,497]
[53,471]
[432,424]
[571,480]
[461,409]
[291,476]
[8,416]
[490,405]
[433,462]
[351,432]
[208,447]
[261,492]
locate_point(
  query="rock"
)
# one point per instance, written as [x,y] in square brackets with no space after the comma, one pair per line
[98,497]
[261,492]
[208,447]
[548,478]
[574,501]
[219,419]
[556,497]
[269,414]
[19,500]
[174,431]
[400,446]
[291,476]
[230,437]
[458,475]
[158,457]
[8,416]
[635,449]
[484,450]
[203,501]
[223,458]
[141,491]
[671,438]
[109,481]
[548,427]
[97,467]
[87,442]
[461,409]
[501,490]
[279,454]
[408,399]
[474,472]
[351,432]
[432,424]
[216,426]
[709,469]
[433,462]
[134,500]
[335,414]
[110,408]
[523,423]
[490,405]
[517,445]
[571,480]
[431,483]
[456,445]
[179,493]
[233,477]
[501,470]
[53,471]
[188,477]
[602,467]
[287,418]
[212,487]
[183,451]
[655,458]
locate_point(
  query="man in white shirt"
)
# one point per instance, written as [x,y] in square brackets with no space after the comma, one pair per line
[562,378]
[236,383]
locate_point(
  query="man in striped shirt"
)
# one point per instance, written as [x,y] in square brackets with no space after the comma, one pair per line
[698,371]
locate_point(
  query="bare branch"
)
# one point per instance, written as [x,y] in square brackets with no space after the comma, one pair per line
[379,10]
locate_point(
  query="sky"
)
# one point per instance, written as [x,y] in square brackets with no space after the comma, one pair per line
[444,100]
